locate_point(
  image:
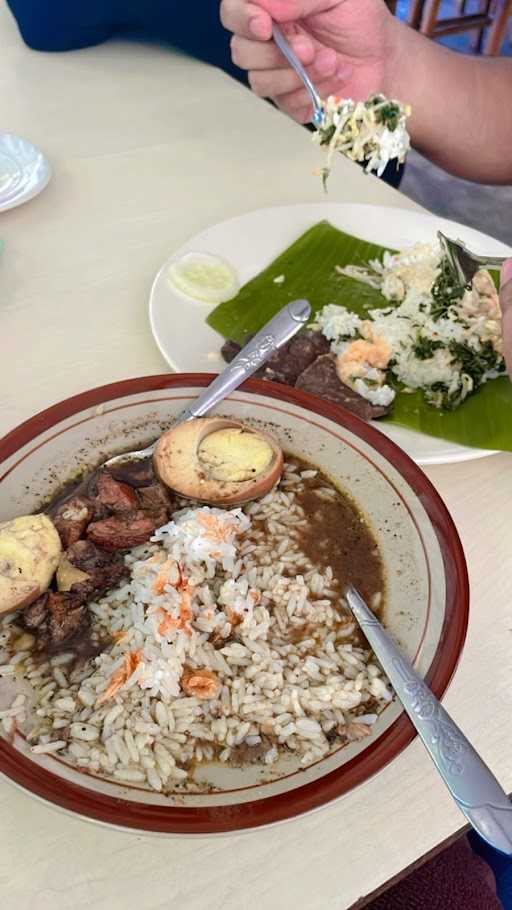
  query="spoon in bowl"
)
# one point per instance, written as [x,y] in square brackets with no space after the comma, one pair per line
[470,782]
[280,329]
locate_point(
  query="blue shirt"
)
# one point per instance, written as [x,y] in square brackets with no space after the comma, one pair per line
[64,25]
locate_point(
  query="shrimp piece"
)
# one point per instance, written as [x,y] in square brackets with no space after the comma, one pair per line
[167,624]
[234,617]
[481,306]
[200,683]
[132,660]
[362,355]
[484,285]
[214,531]
[170,623]
[169,574]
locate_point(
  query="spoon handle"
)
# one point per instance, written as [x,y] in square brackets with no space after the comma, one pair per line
[472,785]
[272,336]
[295,63]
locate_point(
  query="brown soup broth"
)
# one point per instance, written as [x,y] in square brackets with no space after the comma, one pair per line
[338,535]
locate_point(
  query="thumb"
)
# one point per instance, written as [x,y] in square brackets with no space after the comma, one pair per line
[290,10]
[506,312]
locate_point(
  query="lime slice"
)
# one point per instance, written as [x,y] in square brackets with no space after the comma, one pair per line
[204,277]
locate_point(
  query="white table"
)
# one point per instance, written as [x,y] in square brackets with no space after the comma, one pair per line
[149,147]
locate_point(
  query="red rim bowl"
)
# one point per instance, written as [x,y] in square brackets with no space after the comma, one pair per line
[225,818]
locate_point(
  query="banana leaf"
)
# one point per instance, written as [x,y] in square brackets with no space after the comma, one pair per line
[483,421]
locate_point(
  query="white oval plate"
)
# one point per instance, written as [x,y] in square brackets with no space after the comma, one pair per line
[251,241]
[24,171]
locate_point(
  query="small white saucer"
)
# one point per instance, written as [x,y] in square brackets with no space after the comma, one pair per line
[24,171]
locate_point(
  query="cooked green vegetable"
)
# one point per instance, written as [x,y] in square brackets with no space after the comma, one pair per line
[386,112]
[446,291]
[476,363]
[425,347]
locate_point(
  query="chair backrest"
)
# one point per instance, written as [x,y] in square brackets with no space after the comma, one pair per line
[492,15]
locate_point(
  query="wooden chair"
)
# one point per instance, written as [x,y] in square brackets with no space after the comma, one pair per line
[494,15]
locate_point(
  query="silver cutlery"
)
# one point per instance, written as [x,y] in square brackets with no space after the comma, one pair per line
[472,785]
[280,329]
[293,60]
[464,263]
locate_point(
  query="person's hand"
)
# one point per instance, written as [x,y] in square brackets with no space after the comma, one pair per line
[506,312]
[346,45]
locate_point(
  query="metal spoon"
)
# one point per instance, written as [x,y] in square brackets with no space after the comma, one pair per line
[293,60]
[464,263]
[472,785]
[269,339]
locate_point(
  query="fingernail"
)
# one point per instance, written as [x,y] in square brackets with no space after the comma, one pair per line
[258,27]
[506,271]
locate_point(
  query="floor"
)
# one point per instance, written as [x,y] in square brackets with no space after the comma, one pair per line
[484,207]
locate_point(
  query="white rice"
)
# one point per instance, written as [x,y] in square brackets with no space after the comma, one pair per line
[291,681]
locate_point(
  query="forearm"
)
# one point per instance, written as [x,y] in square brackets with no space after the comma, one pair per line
[462,109]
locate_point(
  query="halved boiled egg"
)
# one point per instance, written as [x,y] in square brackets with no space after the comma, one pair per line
[30,550]
[215,460]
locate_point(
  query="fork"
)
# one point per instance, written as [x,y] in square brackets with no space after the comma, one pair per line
[293,60]
[465,263]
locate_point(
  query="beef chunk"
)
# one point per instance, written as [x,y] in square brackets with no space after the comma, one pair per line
[115,495]
[321,379]
[100,510]
[56,619]
[105,570]
[72,517]
[293,358]
[137,473]
[34,616]
[230,349]
[290,360]
[123,531]
[68,618]
[157,502]
[86,556]
[59,619]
